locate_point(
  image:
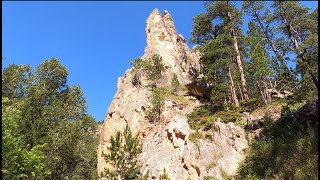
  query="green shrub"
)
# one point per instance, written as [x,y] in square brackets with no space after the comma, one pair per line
[164,175]
[289,151]
[204,117]
[194,137]
[292,105]
[228,116]
[198,118]
[251,104]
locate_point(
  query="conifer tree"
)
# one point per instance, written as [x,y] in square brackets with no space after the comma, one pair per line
[175,84]
[138,66]
[123,152]
[157,105]
[216,63]
[231,20]
[154,68]
[259,60]
[164,175]
[262,18]
[296,25]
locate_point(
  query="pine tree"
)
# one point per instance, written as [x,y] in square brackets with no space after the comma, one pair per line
[259,60]
[175,84]
[154,68]
[157,105]
[123,152]
[164,175]
[216,63]
[296,25]
[230,18]
[262,18]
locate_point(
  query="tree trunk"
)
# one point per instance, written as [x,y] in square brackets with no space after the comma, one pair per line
[263,95]
[232,88]
[238,57]
[266,93]
[241,95]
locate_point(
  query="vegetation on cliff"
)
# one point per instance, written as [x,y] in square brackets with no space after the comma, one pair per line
[278,34]
[122,156]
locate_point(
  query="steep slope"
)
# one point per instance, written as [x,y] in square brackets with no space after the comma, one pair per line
[166,143]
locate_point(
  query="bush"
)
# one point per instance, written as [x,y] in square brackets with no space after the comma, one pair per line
[204,117]
[251,104]
[198,118]
[289,151]
[194,137]
[228,116]
[135,79]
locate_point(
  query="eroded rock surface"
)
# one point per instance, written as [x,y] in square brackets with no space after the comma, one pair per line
[166,143]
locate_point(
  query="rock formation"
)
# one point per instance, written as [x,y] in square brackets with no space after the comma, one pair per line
[166,144]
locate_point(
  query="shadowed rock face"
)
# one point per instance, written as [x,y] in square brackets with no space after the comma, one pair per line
[166,144]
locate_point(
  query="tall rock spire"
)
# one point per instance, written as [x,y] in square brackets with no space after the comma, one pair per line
[166,143]
[163,39]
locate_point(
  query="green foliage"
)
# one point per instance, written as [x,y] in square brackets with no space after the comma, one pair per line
[228,116]
[164,175]
[138,65]
[209,178]
[292,105]
[152,67]
[289,151]
[135,80]
[167,94]
[157,105]
[217,49]
[17,161]
[194,137]
[199,118]
[175,84]
[204,117]
[251,104]
[202,29]
[52,114]
[15,81]
[122,156]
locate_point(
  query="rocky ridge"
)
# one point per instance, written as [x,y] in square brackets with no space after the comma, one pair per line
[166,144]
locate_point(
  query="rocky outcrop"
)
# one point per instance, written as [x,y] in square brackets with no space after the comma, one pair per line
[166,143]
[163,39]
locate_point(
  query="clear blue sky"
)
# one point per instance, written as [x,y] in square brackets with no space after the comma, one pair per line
[95,40]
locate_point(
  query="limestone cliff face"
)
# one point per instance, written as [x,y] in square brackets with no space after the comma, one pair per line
[166,144]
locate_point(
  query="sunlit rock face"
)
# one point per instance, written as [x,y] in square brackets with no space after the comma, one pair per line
[166,143]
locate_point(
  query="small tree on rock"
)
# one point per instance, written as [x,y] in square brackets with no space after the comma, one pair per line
[164,175]
[157,105]
[123,150]
[175,84]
